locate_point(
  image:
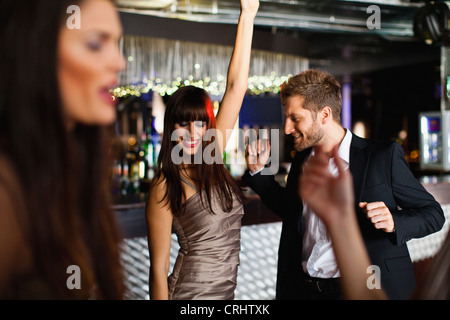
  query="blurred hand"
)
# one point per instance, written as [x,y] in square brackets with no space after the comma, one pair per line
[379,215]
[331,198]
[250,6]
[257,154]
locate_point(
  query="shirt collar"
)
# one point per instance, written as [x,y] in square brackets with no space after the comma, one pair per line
[344,148]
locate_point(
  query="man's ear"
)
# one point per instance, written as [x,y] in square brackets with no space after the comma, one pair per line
[326,115]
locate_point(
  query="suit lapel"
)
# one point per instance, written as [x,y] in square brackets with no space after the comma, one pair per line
[297,171]
[359,162]
[297,164]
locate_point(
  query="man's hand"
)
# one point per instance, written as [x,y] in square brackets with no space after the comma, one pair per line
[257,154]
[379,215]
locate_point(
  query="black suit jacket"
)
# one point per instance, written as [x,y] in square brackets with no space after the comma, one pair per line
[380,173]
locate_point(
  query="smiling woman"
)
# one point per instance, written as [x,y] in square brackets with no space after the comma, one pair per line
[202,201]
[54,108]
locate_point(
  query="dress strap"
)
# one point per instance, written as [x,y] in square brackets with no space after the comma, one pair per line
[189,184]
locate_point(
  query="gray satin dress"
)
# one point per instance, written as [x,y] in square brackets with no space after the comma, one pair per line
[207,263]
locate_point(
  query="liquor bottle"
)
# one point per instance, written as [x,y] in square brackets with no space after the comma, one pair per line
[134,179]
[131,179]
[116,170]
[155,144]
[148,147]
[125,179]
[116,176]
[143,153]
[140,157]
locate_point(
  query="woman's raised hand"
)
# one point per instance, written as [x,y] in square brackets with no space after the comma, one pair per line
[250,6]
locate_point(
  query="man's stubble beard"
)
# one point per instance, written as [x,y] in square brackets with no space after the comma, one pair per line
[313,136]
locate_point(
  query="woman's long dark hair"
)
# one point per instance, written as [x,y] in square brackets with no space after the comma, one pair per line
[68,220]
[190,103]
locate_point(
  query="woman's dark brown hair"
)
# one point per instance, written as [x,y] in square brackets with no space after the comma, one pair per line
[190,103]
[68,219]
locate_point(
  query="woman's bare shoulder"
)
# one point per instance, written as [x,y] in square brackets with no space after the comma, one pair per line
[158,185]
[157,198]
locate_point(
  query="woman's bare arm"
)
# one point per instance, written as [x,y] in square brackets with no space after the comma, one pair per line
[237,78]
[159,226]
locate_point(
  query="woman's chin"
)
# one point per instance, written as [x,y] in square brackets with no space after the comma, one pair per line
[190,151]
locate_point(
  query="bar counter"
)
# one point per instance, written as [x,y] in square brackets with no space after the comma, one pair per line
[130,213]
[130,209]
[438,186]
[260,236]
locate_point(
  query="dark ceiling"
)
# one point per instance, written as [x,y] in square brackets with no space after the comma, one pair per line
[324,15]
[333,34]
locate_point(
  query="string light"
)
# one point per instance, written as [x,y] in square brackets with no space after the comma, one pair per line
[162,65]
[256,85]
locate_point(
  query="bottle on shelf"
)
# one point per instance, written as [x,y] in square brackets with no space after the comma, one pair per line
[124,180]
[116,176]
[140,145]
[154,148]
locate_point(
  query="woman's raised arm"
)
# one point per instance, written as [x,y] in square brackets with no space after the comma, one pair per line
[237,78]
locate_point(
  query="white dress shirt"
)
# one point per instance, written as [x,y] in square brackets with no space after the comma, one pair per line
[318,258]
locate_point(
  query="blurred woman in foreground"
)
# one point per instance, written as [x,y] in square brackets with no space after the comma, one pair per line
[58,236]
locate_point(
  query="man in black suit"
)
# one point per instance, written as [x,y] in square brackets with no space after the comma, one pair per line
[392,206]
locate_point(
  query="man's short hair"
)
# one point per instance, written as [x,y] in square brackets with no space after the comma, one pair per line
[319,89]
